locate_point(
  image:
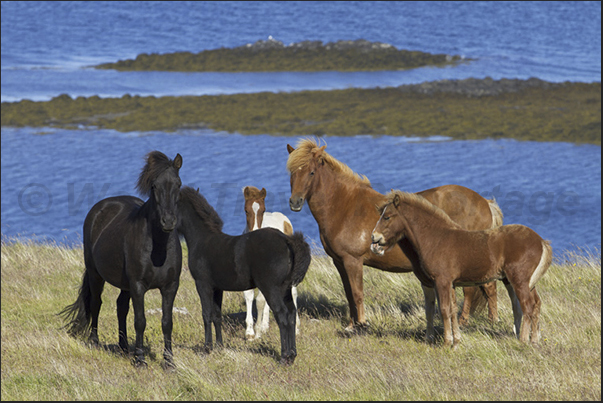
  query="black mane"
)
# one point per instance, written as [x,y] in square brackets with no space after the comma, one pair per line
[203,209]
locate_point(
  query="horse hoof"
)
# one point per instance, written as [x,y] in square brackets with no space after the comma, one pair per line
[287,360]
[168,366]
[140,363]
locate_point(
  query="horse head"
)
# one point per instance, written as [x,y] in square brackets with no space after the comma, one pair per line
[388,230]
[255,206]
[303,175]
[160,181]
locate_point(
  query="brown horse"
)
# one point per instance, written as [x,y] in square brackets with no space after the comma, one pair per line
[257,217]
[343,204]
[452,256]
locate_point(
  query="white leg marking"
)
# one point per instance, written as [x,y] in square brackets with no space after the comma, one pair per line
[263,315]
[249,333]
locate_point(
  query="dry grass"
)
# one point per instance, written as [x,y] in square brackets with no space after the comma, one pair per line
[389,362]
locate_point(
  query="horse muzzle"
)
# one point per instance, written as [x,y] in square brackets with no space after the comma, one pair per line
[296,203]
[376,246]
[168,224]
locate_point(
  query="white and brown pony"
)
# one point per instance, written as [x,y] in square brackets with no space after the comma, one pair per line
[257,217]
[343,205]
[451,256]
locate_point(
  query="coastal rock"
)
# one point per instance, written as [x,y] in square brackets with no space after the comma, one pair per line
[474,87]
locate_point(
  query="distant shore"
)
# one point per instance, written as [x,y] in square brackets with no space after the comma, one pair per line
[461,109]
[273,55]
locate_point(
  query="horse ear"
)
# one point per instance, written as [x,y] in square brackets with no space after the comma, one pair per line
[178,161]
[263,193]
[396,200]
[290,149]
[246,192]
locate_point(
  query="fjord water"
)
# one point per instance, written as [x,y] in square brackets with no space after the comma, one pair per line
[50,177]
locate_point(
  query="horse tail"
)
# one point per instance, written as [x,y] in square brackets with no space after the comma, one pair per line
[78,313]
[300,255]
[545,263]
[497,215]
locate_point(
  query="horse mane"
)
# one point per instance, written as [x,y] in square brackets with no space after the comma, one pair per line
[156,163]
[420,202]
[203,209]
[306,150]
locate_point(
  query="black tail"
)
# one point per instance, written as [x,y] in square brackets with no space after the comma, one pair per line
[301,256]
[78,313]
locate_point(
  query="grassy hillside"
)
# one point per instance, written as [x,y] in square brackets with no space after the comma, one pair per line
[389,362]
[464,109]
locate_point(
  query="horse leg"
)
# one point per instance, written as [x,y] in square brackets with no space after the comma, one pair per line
[284,313]
[97,283]
[527,302]
[249,333]
[489,290]
[444,289]
[123,307]
[430,298]
[216,316]
[517,313]
[456,331]
[350,271]
[205,294]
[294,295]
[535,336]
[262,323]
[137,292]
[469,293]
[168,294]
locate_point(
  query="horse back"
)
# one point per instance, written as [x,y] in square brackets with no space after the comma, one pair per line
[265,254]
[463,205]
[277,220]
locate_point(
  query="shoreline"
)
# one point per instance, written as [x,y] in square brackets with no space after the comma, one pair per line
[530,109]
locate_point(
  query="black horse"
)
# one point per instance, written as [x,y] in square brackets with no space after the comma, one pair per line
[133,245]
[265,258]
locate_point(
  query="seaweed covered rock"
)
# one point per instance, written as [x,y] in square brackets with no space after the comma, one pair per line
[274,55]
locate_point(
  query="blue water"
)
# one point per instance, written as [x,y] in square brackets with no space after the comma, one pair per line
[50,178]
[46,45]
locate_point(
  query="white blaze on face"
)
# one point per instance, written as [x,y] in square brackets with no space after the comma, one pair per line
[255,206]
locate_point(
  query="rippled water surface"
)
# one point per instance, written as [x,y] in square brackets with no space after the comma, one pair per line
[50,181]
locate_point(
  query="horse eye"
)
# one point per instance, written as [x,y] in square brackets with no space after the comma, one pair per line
[385,218]
[312,173]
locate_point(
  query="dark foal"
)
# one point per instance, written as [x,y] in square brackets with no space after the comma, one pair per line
[265,258]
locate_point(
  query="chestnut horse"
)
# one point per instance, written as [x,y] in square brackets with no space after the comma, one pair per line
[451,256]
[257,217]
[343,204]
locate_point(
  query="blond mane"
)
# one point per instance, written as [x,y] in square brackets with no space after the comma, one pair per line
[420,202]
[307,149]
